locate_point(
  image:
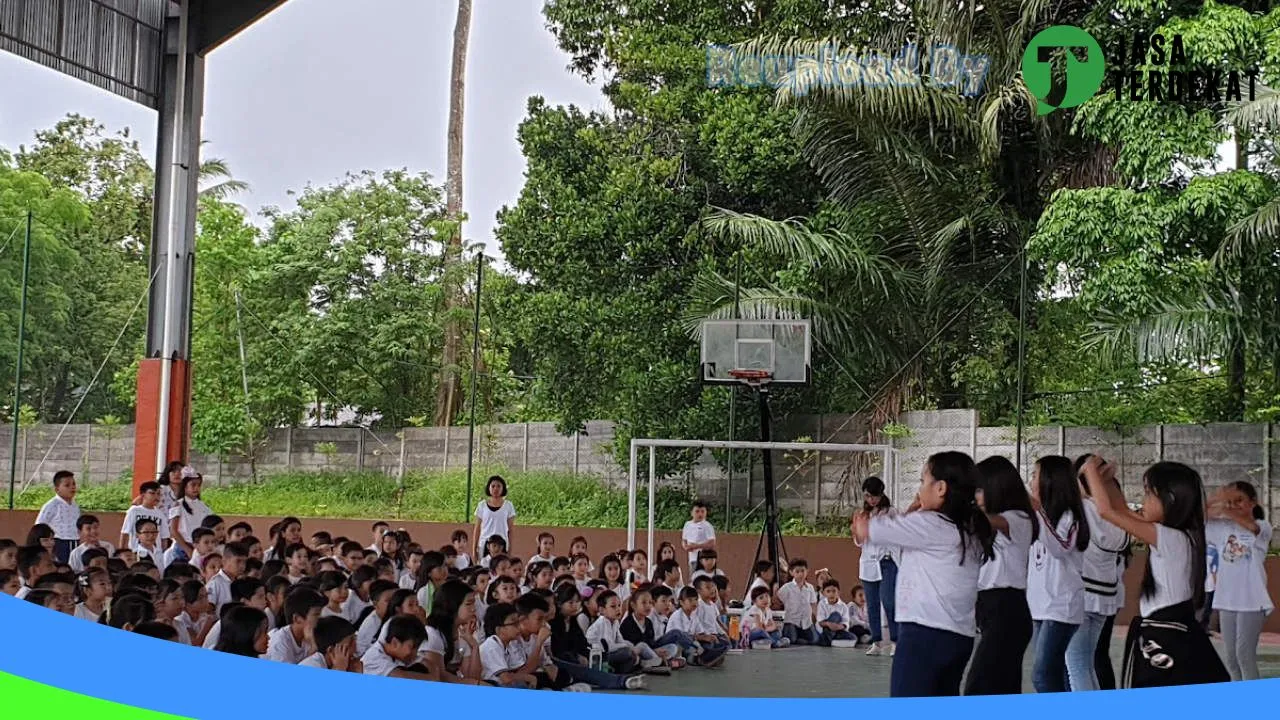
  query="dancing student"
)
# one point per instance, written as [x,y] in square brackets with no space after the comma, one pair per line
[944,539]
[878,572]
[1242,538]
[495,515]
[1165,645]
[1103,572]
[1055,575]
[1002,613]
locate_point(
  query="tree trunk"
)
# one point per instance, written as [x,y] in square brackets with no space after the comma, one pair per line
[449,389]
[1237,362]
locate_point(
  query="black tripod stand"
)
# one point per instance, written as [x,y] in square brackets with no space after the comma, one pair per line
[771,533]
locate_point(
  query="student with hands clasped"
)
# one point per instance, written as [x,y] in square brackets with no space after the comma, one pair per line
[1166,643]
[1238,530]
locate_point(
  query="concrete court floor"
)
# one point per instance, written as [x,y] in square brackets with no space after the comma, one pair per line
[826,672]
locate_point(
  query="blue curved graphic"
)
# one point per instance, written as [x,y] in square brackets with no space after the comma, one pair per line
[56,650]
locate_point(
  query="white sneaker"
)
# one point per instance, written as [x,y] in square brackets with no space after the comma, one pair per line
[893,648]
[578,687]
[636,682]
[876,649]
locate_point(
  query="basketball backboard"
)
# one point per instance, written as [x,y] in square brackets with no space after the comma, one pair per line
[779,347]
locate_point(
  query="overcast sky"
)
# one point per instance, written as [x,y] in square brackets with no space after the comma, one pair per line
[322,87]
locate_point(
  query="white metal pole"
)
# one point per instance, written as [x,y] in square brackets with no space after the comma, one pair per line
[177,179]
[653,496]
[631,497]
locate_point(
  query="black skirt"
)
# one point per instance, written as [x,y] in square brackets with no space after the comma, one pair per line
[1170,648]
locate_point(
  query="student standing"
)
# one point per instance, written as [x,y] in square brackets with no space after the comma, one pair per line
[1103,591]
[1055,580]
[494,515]
[1003,616]
[148,508]
[1166,645]
[943,543]
[697,535]
[1242,537]
[189,512]
[61,513]
[878,571]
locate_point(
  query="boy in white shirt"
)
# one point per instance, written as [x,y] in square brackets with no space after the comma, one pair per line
[697,535]
[88,528]
[535,642]
[391,656]
[147,544]
[61,513]
[710,651]
[335,647]
[833,616]
[379,529]
[621,655]
[149,508]
[502,654]
[709,610]
[663,606]
[292,643]
[219,586]
[380,592]
[799,604]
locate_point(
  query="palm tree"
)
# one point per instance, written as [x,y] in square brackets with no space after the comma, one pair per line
[216,179]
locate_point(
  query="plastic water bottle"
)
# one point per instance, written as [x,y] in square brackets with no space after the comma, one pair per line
[596,660]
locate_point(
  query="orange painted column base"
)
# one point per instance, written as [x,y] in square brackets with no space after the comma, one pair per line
[148,418]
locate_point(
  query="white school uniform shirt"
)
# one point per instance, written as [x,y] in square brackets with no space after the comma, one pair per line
[155,515]
[683,622]
[659,625]
[495,522]
[281,647]
[184,635]
[496,658]
[527,647]
[697,532]
[215,632]
[435,644]
[174,554]
[315,660]
[61,516]
[539,558]
[188,521]
[462,562]
[76,559]
[367,635]
[23,592]
[1055,581]
[219,590]
[351,611]
[934,589]
[407,580]
[156,555]
[330,612]
[1171,569]
[709,618]
[1103,564]
[376,661]
[1242,576]
[841,608]
[753,618]
[85,613]
[608,632]
[858,614]
[700,572]
[797,604]
[1008,569]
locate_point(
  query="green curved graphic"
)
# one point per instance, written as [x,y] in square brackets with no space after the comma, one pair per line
[32,699]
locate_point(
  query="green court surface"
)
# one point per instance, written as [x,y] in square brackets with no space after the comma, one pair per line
[827,672]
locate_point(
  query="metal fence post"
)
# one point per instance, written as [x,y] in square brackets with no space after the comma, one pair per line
[445,465]
[524,450]
[1268,438]
[1160,442]
[1062,439]
[575,453]
[288,447]
[360,450]
[817,477]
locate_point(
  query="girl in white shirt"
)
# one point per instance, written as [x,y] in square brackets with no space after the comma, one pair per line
[495,514]
[1002,614]
[611,573]
[189,512]
[944,539]
[1103,569]
[1055,575]
[1242,538]
[758,625]
[1166,645]
[878,572]
[94,588]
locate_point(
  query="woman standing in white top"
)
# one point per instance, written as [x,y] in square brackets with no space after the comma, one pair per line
[1055,579]
[1242,537]
[1103,572]
[189,512]
[1166,645]
[494,515]
[878,571]
[943,546]
[1004,620]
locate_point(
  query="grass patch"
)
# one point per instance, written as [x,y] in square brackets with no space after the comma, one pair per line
[541,498]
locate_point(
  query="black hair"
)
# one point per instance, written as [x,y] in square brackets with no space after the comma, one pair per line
[491,595]
[86,520]
[162,478]
[149,486]
[245,588]
[659,591]
[362,575]
[273,568]
[330,631]
[875,486]
[721,582]
[496,560]
[143,522]
[128,609]
[378,587]
[406,628]
[1003,490]
[397,599]
[604,596]
[39,532]
[235,549]
[1181,493]
[324,537]
[430,561]
[755,594]
[1060,492]
[797,562]
[702,580]
[688,591]
[566,593]
[1248,490]
[43,598]
[300,603]
[531,602]
[496,479]
[191,591]
[199,534]
[606,561]
[177,570]
[761,566]
[56,578]
[458,535]
[331,580]
[182,494]
[282,548]
[960,505]
[92,554]
[29,556]
[698,504]
[242,526]
[832,582]
[211,521]
[61,475]
[157,630]
[445,604]
[496,616]
[240,629]
[709,554]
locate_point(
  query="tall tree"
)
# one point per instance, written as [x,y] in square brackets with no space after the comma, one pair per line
[449,389]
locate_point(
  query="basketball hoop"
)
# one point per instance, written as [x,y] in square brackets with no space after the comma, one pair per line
[754,378]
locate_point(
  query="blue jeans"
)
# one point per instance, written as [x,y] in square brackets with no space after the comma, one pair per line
[799,636]
[1081,651]
[1049,640]
[882,591]
[774,638]
[928,662]
[595,678]
[828,635]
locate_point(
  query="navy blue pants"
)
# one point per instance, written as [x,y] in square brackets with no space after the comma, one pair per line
[928,662]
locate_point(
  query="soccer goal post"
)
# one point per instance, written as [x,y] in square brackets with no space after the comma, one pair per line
[886,452]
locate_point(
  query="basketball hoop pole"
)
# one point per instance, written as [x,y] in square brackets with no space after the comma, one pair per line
[771,534]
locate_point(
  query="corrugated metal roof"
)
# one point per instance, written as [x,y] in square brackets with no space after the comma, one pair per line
[112,44]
